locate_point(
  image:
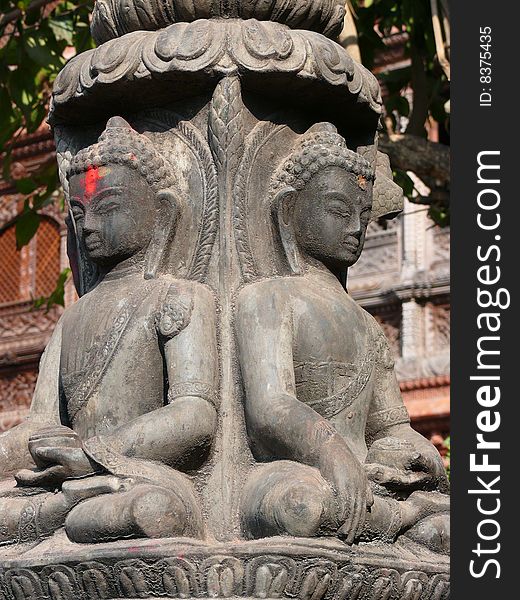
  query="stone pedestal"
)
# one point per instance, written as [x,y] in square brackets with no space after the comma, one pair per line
[272,568]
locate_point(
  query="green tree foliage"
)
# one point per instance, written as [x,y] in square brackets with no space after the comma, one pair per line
[35,38]
[378,19]
[424,80]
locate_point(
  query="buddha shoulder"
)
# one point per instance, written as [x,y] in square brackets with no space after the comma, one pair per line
[266,291]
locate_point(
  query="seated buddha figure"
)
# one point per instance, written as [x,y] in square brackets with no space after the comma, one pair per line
[325,418]
[125,403]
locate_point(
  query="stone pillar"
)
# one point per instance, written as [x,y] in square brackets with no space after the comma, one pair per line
[214,385]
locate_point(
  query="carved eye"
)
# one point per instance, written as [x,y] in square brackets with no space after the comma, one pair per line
[106,207]
[339,209]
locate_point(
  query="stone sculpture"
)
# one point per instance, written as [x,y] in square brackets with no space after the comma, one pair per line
[319,398]
[136,394]
[216,417]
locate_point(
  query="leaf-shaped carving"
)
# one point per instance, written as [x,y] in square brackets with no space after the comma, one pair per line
[62,587]
[176,582]
[133,583]
[224,576]
[23,588]
[264,42]
[412,590]
[271,579]
[351,587]
[115,59]
[191,41]
[315,584]
[112,18]
[382,589]
[95,584]
[440,590]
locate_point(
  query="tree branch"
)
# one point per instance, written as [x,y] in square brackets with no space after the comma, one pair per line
[421,101]
[426,159]
[15,14]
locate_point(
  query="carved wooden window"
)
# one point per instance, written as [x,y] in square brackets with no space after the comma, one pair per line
[11,267]
[47,255]
[33,271]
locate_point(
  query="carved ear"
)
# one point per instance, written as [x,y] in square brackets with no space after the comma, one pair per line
[282,209]
[168,208]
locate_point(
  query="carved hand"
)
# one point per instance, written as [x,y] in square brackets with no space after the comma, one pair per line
[56,465]
[403,463]
[54,436]
[340,467]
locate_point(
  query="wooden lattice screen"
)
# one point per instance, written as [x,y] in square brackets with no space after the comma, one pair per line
[47,258]
[10,263]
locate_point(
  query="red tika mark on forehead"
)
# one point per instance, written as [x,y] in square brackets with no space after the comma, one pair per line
[92,179]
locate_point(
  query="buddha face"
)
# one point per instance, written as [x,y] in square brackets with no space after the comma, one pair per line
[331,215]
[114,208]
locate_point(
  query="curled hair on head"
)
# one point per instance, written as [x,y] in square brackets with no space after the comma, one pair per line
[321,147]
[120,144]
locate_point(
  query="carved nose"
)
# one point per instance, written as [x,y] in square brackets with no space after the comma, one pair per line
[88,225]
[355,233]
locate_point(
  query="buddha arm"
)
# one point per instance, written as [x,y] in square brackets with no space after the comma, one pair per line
[279,425]
[180,433]
[14,451]
[388,417]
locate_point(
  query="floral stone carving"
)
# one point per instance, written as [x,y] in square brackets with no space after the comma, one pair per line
[113,18]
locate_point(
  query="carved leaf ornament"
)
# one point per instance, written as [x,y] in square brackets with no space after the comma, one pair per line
[211,50]
[113,18]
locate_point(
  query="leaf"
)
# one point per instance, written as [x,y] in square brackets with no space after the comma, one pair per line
[404,181]
[58,295]
[35,118]
[40,50]
[63,29]
[439,215]
[26,226]
[25,186]
[5,107]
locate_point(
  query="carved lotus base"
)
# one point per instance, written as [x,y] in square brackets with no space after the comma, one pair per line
[272,568]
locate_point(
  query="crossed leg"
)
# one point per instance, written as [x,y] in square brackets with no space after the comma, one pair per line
[288,498]
[139,510]
[101,508]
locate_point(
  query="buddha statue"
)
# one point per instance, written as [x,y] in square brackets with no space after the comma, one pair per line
[325,418]
[126,400]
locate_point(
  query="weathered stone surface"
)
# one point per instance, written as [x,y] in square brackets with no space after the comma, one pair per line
[113,18]
[193,57]
[280,568]
[215,394]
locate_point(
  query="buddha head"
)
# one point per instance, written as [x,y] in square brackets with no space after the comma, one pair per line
[322,200]
[121,203]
